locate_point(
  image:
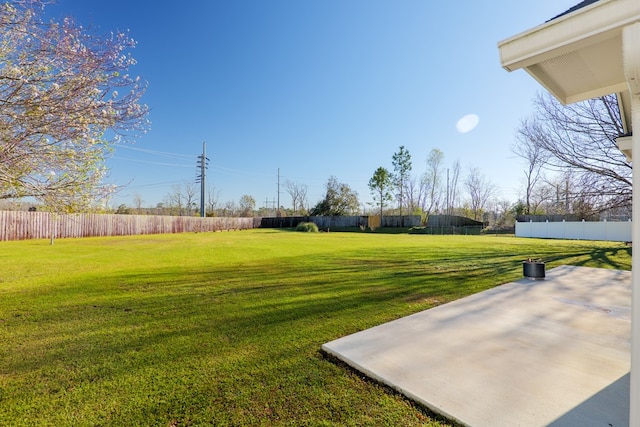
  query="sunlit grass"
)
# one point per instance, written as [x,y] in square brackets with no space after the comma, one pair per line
[225,328]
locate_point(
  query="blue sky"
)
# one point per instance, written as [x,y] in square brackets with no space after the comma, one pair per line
[317,88]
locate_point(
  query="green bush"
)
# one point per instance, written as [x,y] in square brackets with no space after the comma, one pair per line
[309,227]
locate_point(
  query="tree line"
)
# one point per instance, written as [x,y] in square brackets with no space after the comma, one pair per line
[435,191]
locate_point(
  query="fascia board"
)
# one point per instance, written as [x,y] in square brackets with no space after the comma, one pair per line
[567,33]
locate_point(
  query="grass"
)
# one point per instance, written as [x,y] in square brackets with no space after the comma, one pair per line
[225,328]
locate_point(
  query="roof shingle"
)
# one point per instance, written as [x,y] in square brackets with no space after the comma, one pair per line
[574,8]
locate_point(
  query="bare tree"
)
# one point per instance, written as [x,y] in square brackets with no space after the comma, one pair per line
[504,216]
[580,139]
[212,201]
[182,199]
[229,209]
[138,202]
[535,158]
[415,196]
[191,194]
[298,193]
[452,187]
[546,198]
[175,200]
[302,199]
[432,181]
[480,192]
[565,195]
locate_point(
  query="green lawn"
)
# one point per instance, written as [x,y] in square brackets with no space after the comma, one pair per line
[225,328]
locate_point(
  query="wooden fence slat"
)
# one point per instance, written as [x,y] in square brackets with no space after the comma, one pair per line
[18,225]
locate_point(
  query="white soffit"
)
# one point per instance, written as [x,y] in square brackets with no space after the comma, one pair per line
[577,56]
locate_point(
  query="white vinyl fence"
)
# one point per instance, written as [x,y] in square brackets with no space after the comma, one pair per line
[583,230]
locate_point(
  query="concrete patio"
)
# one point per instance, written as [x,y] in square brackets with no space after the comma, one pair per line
[528,353]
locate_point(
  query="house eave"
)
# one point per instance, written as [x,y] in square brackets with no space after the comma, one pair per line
[573,56]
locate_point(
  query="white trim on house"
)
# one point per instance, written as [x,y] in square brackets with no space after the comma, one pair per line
[631,56]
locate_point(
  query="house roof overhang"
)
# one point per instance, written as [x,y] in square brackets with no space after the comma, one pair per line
[578,55]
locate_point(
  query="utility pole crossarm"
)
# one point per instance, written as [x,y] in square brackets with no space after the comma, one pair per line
[202,165]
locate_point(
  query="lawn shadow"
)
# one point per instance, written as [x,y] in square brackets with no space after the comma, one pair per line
[217,325]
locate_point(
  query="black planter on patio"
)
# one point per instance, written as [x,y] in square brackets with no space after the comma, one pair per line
[533,269]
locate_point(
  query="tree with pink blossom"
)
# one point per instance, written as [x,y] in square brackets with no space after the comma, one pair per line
[66,96]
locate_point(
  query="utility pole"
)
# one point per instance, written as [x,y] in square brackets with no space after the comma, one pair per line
[278,211]
[202,165]
[270,204]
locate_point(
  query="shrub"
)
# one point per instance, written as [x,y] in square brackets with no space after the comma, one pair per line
[309,227]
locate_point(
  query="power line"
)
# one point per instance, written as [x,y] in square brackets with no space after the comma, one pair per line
[152,162]
[159,184]
[239,171]
[155,152]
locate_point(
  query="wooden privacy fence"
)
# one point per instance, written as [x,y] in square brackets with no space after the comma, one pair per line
[329,222]
[43,225]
